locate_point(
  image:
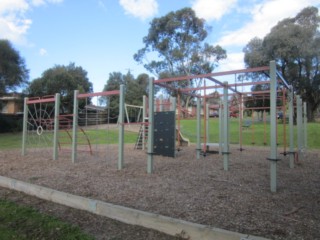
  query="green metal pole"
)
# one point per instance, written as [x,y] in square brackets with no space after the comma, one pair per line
[25,126]
[198,127]
[173,104]
[220,129]
[291,133]
[207,123]
[273,127]
[56,126]
[225,128]
[305,121]
[121,128]
[144,115]
[161,103]
[173,107]
[75,126]
[299,125]
[151,127]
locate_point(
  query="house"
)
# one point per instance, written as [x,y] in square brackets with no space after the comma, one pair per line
[11,104]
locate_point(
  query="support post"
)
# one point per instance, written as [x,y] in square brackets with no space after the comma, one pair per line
[25,126]
[56,126]
[240,121]
[273,127]
[299,125]
[291,133]
[207,123]
[121,127]
[198,127]
[127,115]
[151,127]
[225,152]
[161,103]
[173,104]
[75,126]
[220,128]
[144,115]
[305,130]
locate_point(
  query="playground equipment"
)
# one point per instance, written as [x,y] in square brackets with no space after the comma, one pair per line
[43,122]
[275,81]
[50,120]
[40,124]
[167,141]
[183,140]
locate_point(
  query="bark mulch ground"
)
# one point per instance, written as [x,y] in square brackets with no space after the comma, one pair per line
[198,191]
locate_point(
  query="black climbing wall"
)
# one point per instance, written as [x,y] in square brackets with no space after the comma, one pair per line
[164,133]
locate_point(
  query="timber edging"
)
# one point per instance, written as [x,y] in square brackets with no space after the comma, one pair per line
[127,215]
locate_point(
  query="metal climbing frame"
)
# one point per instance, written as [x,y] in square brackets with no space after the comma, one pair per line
[40,122]
[275,79]
[78,96]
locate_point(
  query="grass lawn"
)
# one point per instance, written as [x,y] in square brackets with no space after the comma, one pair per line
[19,222]
[257,133]
[14,140]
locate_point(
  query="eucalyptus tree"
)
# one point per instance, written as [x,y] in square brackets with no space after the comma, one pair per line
[135,88]
[294,43]
[175,46]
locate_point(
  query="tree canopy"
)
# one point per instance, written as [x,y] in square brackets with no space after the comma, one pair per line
[134,89]
[13,71]
[178,41]
[64,80]
[294,43]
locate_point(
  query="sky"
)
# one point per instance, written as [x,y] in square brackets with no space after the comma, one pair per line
[102,36]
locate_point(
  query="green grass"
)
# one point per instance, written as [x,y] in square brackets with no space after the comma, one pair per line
[19,222]
[257,133]
[14,140]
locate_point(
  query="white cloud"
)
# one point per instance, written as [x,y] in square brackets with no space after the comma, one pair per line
[212,9]
[43,52]
[14,24]
[264,16]
[37,2]
[234,61]
[142,9]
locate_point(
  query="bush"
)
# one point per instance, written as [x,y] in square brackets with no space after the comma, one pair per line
[10,123]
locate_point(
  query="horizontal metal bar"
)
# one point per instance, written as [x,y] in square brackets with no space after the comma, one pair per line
[181,78]
[107,93]
[44,100]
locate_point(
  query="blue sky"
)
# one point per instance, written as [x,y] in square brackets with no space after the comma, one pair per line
[102,35]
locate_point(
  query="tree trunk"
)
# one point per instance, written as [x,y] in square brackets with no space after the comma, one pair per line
[311,109]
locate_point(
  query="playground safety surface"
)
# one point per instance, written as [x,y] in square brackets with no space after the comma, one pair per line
[198,191]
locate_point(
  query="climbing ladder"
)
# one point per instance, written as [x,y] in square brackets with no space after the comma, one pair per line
[143,133]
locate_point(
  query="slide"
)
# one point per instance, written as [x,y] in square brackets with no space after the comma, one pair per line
[183,141]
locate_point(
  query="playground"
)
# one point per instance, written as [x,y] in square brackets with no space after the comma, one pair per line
[198,191]
[223,183]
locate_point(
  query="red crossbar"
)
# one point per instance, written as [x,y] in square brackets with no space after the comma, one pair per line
[44,100]
[108,93]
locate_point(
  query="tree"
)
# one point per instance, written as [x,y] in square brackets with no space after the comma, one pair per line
[178,38]
[134,88]
[294,43]
[13,71]
[63,80]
